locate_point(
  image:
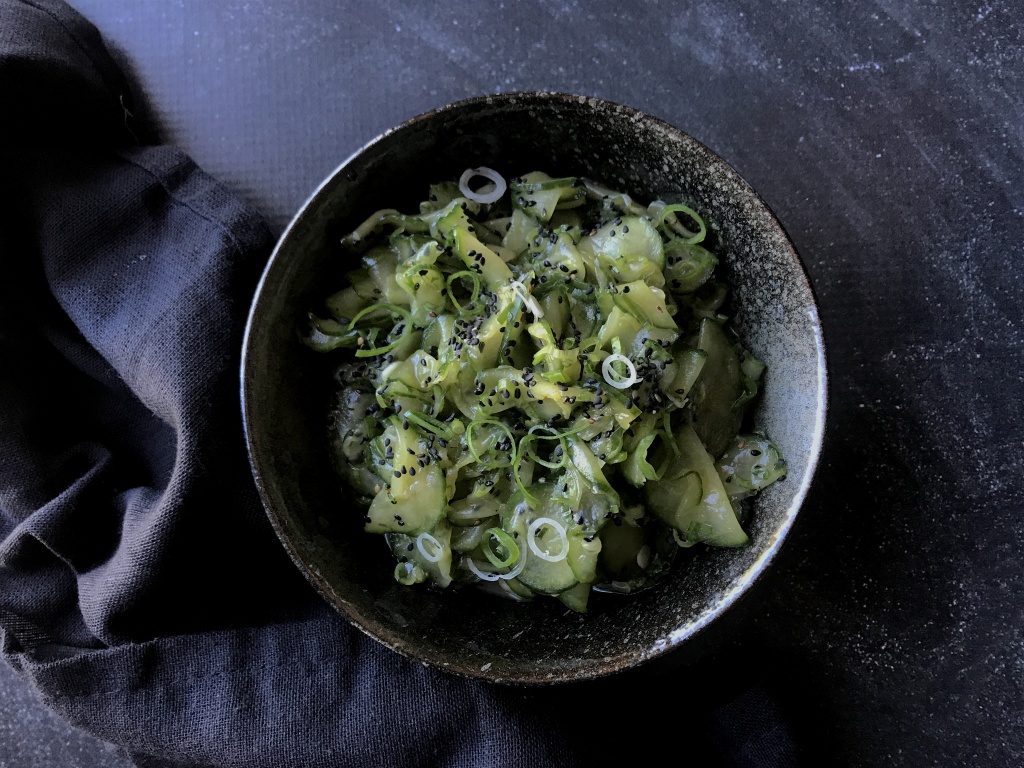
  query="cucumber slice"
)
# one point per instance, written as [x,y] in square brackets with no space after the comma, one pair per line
[689,266]
[630,247]
[539,194]
[415,509]
[540,575]
[691,498]
[634,556]
[454,226]
[682,372]
[576,597]
[645,303]
[521,231]
[415,498]
[718,387]
[749,465]
[620,324]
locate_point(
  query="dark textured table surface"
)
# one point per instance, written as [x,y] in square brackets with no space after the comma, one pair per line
[886,136]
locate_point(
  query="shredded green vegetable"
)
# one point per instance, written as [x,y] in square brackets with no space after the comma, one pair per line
[539,389]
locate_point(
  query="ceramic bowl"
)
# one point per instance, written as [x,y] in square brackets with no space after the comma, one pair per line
[286,388]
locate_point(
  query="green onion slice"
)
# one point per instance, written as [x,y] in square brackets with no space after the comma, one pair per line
[425,540]
[482,575]
[505,542]
[616,379]
[406,327]
[531,539]
[490,193]
[534,434]
[475,307]
[667,220]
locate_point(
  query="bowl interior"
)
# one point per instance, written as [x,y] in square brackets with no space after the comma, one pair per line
[286,388]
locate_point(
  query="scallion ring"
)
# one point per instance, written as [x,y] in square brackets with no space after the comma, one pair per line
[490,575]
[517,569]
[435,545]
[684,543]
[533,434]
[406,327]
[490,193]
[474,302]
[531,539]
[505,541]
[673,223]
[613,377]
[482,575]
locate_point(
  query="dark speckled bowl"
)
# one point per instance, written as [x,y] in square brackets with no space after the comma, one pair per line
[286,387]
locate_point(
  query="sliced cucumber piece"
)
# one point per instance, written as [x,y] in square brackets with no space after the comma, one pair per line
[414,497]
[691,498]
[548,577]
[456,229]
[716,390]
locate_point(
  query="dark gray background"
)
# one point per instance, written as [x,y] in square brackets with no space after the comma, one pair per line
[886,136]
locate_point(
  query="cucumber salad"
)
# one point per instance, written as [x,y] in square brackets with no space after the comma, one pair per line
[538,390]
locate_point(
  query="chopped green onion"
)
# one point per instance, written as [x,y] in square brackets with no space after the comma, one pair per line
[474,303]
[528,301]
[526,447]
[484,575]
[489,194]
[613,377]
[667,219]
[393,308]
[437,549]
[517,569]
[504,541]
[531,539]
